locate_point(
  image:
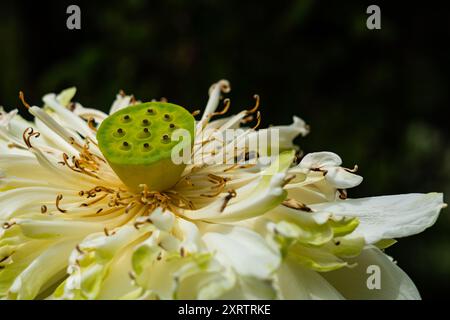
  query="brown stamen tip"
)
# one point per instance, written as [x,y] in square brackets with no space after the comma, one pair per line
[256,106]
[58,200]
[22,98]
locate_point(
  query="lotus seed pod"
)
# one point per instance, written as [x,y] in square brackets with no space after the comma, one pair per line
[137,143]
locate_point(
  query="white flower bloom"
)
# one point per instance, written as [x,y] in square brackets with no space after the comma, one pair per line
[282,229]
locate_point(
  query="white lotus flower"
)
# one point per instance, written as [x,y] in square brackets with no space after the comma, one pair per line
[72,229]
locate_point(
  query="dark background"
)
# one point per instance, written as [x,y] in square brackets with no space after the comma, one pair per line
[377,98]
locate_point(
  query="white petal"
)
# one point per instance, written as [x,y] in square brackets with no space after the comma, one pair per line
[250,288]
[296,282]
[42,271]
[289,133]
[317,160]
[285,135]
[388,217]
[341,178]
[352,282]
[242,249]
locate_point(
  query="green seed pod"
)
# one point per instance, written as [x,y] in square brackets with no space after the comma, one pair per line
[136,142]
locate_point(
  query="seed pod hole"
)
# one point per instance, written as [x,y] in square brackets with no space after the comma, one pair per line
[145,133]
[125,146]
[151,111]
[172,126]
[119,133]
[146,147]
[167,117]
[145,122]
[165,138]
[126,118]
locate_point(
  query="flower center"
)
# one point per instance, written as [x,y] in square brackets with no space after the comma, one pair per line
[137,143]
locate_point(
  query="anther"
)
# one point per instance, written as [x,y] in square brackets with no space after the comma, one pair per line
[231,194]
[256,106]
[91,124]
[22,98]
[58,199]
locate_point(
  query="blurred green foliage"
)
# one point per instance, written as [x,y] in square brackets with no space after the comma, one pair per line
[377,98]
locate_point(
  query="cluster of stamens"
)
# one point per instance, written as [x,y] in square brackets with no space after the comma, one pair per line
[107,199]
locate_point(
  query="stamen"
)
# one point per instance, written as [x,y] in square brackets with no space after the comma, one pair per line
[79,249]
[256,106]
[298,157]
[27,134]
[43,209]
[258,119]
[130,206]
[342,194]
[231,194]
[355,169]
[247,119]
[294,204]
[22,98]
[288,179]
[87,204]
[58,199]
[8,225]
[91,124]
[107,233]
[227,103]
